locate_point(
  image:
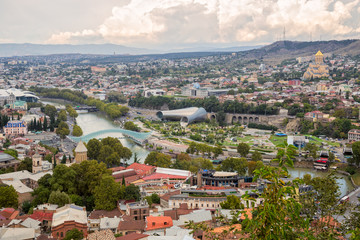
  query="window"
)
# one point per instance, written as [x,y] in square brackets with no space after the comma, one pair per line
[135,212]
[61,234]
[165,223]
[153,224]
[135,218]
[144,211]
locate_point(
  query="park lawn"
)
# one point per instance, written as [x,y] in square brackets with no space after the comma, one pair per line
[318,141]
[276,140]
[356,178]
[245,139]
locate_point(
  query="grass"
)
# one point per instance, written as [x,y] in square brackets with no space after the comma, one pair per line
[318,141]
[276,140]
[356,178]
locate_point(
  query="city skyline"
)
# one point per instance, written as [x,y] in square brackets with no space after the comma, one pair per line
[171,24]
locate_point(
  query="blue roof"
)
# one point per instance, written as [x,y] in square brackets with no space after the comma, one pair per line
[280,134]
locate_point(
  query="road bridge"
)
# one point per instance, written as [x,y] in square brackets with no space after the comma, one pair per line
[137,137]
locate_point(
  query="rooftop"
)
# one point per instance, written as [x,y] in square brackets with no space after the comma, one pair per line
[158,222]
[80,147]
[69,212]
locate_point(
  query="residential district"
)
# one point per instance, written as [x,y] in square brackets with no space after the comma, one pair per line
[207,147]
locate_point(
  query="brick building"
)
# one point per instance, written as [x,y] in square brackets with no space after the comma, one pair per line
[67,218]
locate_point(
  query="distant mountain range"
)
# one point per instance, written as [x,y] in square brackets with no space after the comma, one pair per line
[273,53]
[281,50]
[28,49]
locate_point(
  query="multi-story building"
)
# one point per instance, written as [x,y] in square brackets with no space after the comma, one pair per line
[67,218]
[7,161]
[15,128]
[196,201]
[138,210]
[219,179]
[354,135]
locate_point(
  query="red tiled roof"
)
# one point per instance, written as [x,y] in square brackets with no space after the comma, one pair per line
[40,216]
[163,176]
[9,213]
[132,236]
[132,225]
[158,222]
[140,168]
[115,169]
[167,196]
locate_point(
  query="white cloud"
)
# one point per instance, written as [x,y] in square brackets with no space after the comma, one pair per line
[174,22]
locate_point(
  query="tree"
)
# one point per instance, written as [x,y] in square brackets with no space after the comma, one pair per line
[238,165]
[155,198]
[256,156]
[63,160]
[105,152]
[93,147]
[12,152]
[132,192]
[25,164]
[356,152]
[45,125]
[64,179]
[59,198]
[158,159]
[50,110]
[63,130]
[131,126]
[77,131]
[243,149]
[74,234]
[8,197]
[26,206]
[232,202]
[41,195]
[285,154]
[48,157]
[251,167]
[106,194]
[312,148]
[62,116]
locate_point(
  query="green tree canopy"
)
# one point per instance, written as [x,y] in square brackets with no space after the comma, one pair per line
[158,159]
[238,165]
[63,130]
[59,198]
[74,234]
[77,131]
[256,156]
[107,193]
[131,126]
[232,202]
[243,149]
[8,197]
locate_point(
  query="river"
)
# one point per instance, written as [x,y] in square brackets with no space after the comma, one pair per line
[95,121]
[92,122]
[343,181]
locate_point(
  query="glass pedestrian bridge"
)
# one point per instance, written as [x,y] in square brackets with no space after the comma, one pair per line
[138,137]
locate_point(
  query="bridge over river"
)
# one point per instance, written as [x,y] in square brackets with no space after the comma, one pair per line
[138,137]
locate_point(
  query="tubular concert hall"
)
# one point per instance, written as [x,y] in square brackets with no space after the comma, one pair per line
[185,115]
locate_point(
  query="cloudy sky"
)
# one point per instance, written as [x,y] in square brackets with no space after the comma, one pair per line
[176,23]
